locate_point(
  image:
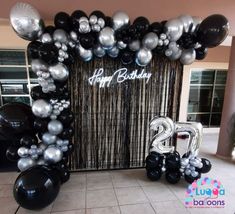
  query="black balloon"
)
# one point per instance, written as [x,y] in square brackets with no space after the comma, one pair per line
[62,21]
[187,40]
[206,166]
[108,21]
[172,161]
[40,125]
[173,177]
[66,117]
[64,175]
[48,53]
[98,14]
[156,27]
[28,140]
[154,160]
[127,57]
[201,53]
[154,174]
[36,187]
[141,24]
[11,153]
[190,179]
[15,118]
[87,41]
[67,133]
[70,149]
[76,15]
[37,93]
[33,48]
[49,29]
[213,30]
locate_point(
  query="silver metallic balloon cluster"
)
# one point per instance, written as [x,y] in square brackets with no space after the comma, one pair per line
[96,23]
[189,166]
[58,106]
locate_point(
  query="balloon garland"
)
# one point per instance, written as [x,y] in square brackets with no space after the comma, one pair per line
[53,48]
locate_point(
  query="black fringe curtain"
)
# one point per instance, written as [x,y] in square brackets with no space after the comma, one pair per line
[112,123]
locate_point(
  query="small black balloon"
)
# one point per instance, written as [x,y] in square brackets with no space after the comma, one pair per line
[172,161]
[190,179]
[108,21]
[66,117]
[37,93]
[48,53]
[154,174]
[36,187]
[64,175]
[201,53]
[156,27]
[206,166]
[173,177]
[28,140]
[50,29]
[76,15]
[127,57]
[141,24]
[213,30]
[154,160]
[87,41]
[67,133]
[11,153]
[98,14]
[70,149]
[40,125]
[62,21]
[33,49]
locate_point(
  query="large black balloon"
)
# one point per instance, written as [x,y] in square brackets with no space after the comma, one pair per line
[173,177]
[141,24]
[87,41]
[213,30]
[28,140]
[172,161]
[11,153]
[154,174]
[206,166]
[33,48]
[154,160]
[156,27]
[36,187]
[48,53]
[15,118]
[37,93]
[62,20]
[201,53]
[66,117]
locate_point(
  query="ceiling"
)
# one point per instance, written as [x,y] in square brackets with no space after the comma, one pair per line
[154,10]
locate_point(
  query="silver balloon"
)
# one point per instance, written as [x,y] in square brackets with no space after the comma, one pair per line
[196,22]
[48,138]
[176,53]
[113,52]
[134,45]
[84,27]
[184,162]
[25,163]
[107,38]
[83,19]
[163,36]
[42,146]
[174,29]
[41,161]
[188,56]
[95,28]
[93,19]
[121,45]
[86,55]
[59,72]
[23,152]
[41,108]
[120,19]
[46,38]
[101,22]
[143,57]
[38,65]
[168,52]
[73,36]
[188,172]
[55,127]
[150,40]
[60,36]
[194,174]
[26,21]
[187,21]
[52,155]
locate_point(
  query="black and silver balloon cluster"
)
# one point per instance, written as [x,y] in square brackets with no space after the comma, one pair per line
[175,167]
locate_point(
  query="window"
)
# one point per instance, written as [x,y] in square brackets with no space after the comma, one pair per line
[206,96]
[16,77]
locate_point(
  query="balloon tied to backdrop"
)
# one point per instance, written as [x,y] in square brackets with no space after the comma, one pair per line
[42,135]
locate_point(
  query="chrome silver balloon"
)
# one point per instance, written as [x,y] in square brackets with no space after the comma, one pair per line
[166,42]
[121,45]
[196,22]
[85,54]
[53,117]
[64,148]
[59,72]
[58,44]
[113,52]
[45,75]
[168,52]
[83,19]
[187,172]
[101,22]
[52,155]
[194,174]
[187,21]
[25,163]
[184,162]
[93,19]
[174,29]
[26,21]
[176,54]
[95,28]
[163,36]
[41,108]
[60,36]
[59,142]
[160,42]
[46,38]
[23,152]
[99,51]
[84,27]
[55,127]
[134,45]
[74,36]
[41,161]
[120,19]
[107,38]
[64,47]
[38,65]
[143,57]
[188,56]
[48,138]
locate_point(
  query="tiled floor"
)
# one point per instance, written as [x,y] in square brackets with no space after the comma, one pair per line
[127,191]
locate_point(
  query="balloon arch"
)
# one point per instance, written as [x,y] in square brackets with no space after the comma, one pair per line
[53,48]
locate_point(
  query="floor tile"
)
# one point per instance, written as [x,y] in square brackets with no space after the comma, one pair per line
[100,198]
[179,189]
[137,209]
[69,201]
[8,205]
[124,178]
[159,192]
[82,211]
[6,190]
[99,181]
[8,177]
[77,182]
[130,195]
[46,210]
[105,210]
